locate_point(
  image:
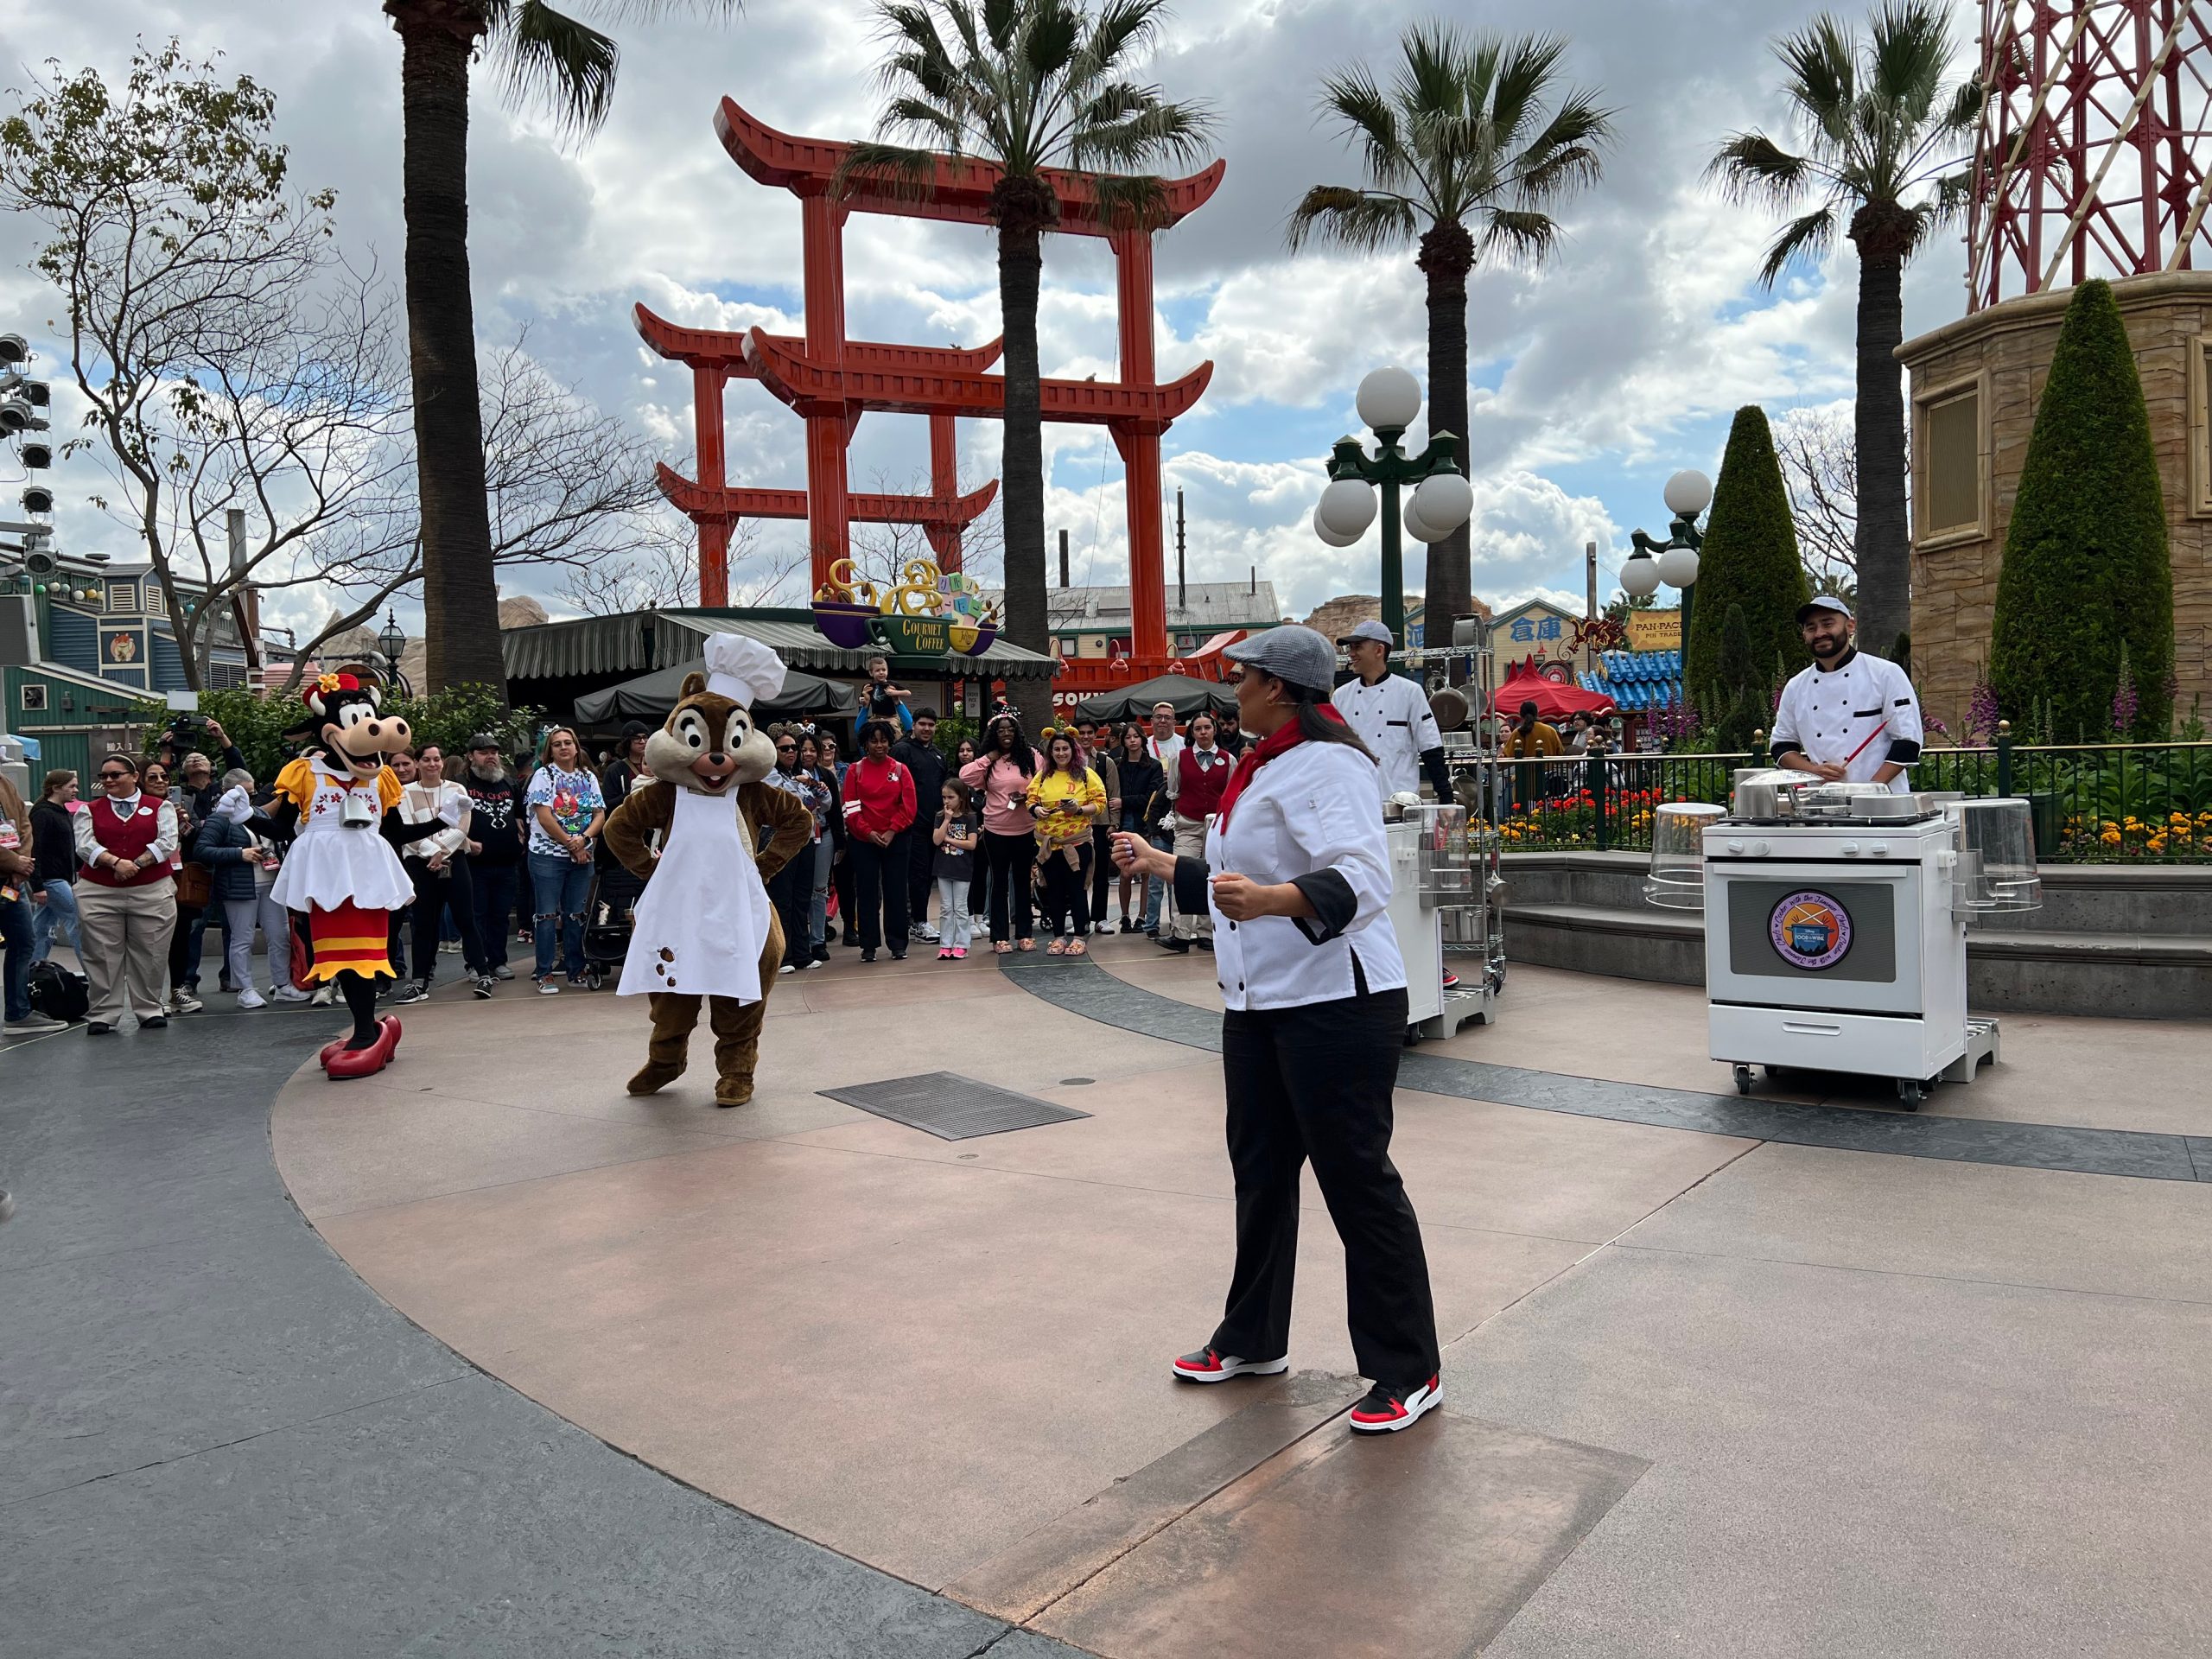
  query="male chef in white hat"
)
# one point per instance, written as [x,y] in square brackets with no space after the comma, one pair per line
[1849,718]
[1391,715]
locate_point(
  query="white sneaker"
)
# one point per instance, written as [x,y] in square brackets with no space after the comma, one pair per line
[251,999]
[287,993]
[34,1024]
[323,994]
[1103,928]
[926,932]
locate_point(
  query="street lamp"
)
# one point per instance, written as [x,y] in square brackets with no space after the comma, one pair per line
[1441,500]
[391,641]
[1673,561]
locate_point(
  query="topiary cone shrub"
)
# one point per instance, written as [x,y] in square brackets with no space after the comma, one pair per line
[1749,559]
[2085,571]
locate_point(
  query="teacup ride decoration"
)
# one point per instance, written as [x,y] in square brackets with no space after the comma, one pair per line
[845,606]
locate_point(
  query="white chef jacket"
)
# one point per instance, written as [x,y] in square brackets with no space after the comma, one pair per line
[1305,811]
[1828,715]
[1392,718]
[1169,754]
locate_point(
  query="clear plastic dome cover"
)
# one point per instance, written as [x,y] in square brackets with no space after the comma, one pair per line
[1677,878]
[1997,857]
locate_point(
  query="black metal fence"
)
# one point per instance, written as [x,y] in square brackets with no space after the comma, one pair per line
[2149,803]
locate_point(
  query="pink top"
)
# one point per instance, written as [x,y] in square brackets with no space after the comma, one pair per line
[1005,792]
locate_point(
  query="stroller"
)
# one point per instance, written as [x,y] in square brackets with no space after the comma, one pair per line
[615,894]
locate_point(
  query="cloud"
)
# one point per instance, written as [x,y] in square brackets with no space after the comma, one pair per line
[1593,377]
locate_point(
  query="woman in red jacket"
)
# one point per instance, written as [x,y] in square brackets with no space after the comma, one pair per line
[879,816]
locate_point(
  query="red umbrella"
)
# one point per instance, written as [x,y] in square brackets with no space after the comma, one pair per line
[1555,700]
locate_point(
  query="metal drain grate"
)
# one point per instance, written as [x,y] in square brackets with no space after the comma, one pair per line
[951,1107]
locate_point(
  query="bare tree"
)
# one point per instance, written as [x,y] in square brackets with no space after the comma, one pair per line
[883,552]
[1820,466]
[662,571]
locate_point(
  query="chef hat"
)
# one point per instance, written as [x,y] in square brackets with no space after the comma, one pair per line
[742,668]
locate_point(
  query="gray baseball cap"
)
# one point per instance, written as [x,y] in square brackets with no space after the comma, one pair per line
[1823,602]
[1295,655]
[1369,629]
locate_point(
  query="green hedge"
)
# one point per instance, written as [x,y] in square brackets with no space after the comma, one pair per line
[2086,570]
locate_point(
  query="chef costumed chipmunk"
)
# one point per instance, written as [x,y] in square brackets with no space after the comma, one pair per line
[704,927]
[342,872]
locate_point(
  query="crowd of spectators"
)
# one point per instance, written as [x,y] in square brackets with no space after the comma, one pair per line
[1001,838]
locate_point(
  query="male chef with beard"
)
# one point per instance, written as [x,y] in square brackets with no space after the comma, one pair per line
[1849,718]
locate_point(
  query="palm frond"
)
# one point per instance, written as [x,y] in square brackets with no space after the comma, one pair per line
[1521,236]
[1364,220]
[547,60]
[1367,114]
[1525,71]
[1749,167]
[617,14]
[1807,239]
[897,170]
[1824,76]
[1909,52]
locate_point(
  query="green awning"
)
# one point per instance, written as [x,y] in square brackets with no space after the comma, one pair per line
[640,642]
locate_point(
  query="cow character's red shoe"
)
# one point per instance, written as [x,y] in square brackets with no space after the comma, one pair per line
[366,1062]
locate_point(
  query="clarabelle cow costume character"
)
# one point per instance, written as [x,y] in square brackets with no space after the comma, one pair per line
[342,872]
[704,926]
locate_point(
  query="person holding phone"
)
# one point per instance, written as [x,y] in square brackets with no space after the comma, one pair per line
[1296,874]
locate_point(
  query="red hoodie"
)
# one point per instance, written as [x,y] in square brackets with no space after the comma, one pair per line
[879,797]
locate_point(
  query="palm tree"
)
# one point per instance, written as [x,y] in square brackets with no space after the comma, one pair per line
[1882,125]
[1464,153]
[547,60]
[1027,84]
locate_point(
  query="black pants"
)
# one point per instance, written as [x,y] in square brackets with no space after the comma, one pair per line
[493,905]
[841,878]
[1065,911]
[1102,870]
[1314,1081]
[791,890]
[433,893]
[879,891]
[1010,858]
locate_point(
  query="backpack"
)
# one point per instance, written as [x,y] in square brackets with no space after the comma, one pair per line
[57,993]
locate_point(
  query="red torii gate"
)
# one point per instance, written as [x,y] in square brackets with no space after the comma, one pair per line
[831,381]
[715,358]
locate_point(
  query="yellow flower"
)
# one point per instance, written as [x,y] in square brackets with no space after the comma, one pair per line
[326,682]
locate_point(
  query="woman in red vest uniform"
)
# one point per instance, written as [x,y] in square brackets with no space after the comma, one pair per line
[127,843]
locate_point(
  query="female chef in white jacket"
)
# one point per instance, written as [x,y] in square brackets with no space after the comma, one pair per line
[1299,875]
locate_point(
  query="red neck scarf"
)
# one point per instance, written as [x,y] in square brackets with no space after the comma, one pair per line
[1288,735]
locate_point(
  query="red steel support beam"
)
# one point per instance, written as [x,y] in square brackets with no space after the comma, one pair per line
[1139,442]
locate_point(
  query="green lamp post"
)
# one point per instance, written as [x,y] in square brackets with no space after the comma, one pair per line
[1673,561]
[1440,500]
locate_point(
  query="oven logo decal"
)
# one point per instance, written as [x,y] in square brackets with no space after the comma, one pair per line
[1810,930]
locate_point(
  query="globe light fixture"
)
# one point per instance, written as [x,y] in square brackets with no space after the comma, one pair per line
[389,640]
[1347,509]
[1329,537]
[1388,399]
[1675,560]
[1421,496]
[1639,577]
[1688,494]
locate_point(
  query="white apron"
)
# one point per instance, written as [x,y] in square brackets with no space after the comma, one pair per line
[329,864]
[702,922]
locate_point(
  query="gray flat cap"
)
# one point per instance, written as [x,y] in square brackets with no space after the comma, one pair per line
[1294,655]
[1823,602]
[1369,629]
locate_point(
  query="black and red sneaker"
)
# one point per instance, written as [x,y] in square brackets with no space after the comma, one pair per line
[1210,1365]
[1386,1410]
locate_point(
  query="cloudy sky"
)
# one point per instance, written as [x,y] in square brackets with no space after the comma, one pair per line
[1594,378]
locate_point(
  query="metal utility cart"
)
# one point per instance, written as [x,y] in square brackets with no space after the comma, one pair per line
[1836,917]
[1437,873]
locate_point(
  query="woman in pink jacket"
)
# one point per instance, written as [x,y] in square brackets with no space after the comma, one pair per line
[1000,776]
